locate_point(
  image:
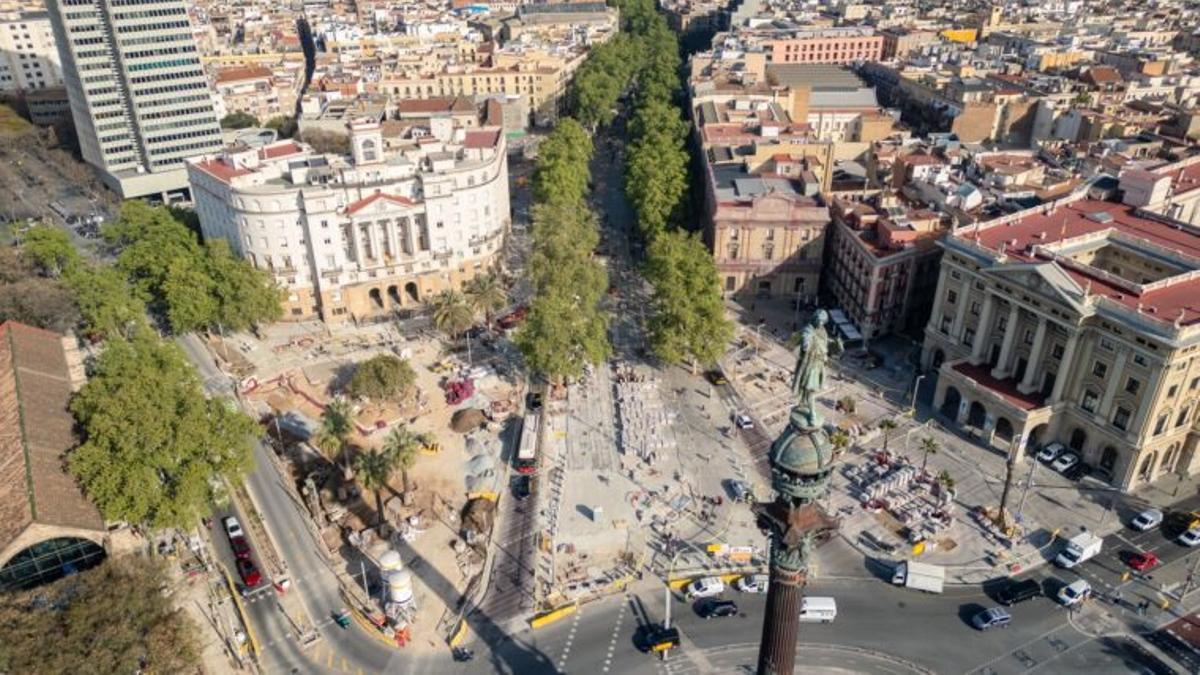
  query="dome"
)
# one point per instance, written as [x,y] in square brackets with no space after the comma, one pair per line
[804,452]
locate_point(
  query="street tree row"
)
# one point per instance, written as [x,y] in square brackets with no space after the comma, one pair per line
[566,329]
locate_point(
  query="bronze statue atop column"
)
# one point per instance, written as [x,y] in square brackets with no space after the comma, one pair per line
[801,462]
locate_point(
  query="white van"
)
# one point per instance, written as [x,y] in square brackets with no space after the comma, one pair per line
[815,609]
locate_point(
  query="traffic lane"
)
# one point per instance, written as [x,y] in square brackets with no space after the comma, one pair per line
[310,577]
[891,620]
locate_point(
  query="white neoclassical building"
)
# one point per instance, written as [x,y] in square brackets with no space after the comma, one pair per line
[367,234]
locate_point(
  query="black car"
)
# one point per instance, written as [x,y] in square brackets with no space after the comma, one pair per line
[1018,591]
[523,487]
[1077,472]
[714,607]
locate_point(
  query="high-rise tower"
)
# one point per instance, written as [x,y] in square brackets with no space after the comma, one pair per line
[139,97]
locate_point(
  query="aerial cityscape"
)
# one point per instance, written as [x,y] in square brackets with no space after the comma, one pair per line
[634,337]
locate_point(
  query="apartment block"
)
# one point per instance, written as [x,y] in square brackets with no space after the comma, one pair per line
[28,57]
[139,97]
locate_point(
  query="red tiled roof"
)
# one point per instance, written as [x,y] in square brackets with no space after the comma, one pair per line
[36,429]
[1185,179]
[238,73]
[221,170]
[435,105]
[1005,389]
[278,150]
[367,201]
[484,138]
[1072,220]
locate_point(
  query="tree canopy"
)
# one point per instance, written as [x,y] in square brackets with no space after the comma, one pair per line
[239,120]
[689,315]
[50,249]
[382,377]
[153,445]
[110,619]
[562,165]
[28,296]
[195,286]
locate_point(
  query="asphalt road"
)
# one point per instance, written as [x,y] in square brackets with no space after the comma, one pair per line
[879,629]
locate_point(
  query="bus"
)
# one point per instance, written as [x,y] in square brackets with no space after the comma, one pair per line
[526,461]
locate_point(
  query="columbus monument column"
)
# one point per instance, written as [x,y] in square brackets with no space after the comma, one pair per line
[801,462]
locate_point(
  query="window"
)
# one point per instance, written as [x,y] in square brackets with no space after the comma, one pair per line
[1172,391]
[969,336]
[1029,337]
[951,296]
[1056,351]
[1090,399]
[1107,345]
[1183,416]
[1139,359]
[1002,324]
[975,308]
[1195,383]
[1160,425]
[1132,386]
[730,283]
[946,325]
[1121,419]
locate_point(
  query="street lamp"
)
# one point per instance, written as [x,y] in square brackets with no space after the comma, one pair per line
[912,408]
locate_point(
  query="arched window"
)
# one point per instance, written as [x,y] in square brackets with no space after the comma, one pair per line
[368,150]
[1183,415]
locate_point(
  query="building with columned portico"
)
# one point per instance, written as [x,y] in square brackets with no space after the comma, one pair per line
[1075,321]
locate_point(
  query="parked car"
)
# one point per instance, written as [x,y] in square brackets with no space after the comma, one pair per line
[752,583]
[1142,561]
[1050,452]
[248,572]
[1018,591]
[233,528]
[1079,470]
[241,547]
[1074,592]
[1186,520]
[743,421]
[705,587]
[739,491]
[1064,461]
[1147,520]
[709,608]
[1190,537]
[716,377]
[996,617]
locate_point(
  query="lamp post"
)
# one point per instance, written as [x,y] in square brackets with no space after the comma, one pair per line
[912,408]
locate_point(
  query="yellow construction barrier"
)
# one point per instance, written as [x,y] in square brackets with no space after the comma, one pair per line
[237,601]
[553,615]
[490,496]
[678,583]
[459,635]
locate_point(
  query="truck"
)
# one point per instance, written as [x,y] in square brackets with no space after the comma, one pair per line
[919,576]
[1079,548]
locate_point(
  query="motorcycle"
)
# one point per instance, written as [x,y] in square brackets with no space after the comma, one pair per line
[462,654]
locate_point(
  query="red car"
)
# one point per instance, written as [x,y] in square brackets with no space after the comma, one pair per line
[1143,561]
[515,317]
[248,572]
[241,547]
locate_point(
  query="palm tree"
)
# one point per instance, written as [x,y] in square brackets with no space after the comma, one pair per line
[840,440]
[485,294]
[929,446]
[334,435]
[451,313]
[946,479]
[402,445]
[374,471]
[887,425]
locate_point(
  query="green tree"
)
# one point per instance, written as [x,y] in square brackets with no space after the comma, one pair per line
[188,293]
[283,125]
[152,442]
[402,446]
[374,469]
[149,241]
[929,446]
[120,617]
[887,426]
[106,302]
[50,249]
[486,295]
[382,377]
[840,440]
[451,313]
[564,332]
[33,299]
[245,297]
[239,120]
[562,165]
[333,438]
[688,321]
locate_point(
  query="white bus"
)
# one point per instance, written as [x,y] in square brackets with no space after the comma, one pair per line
[526,461]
